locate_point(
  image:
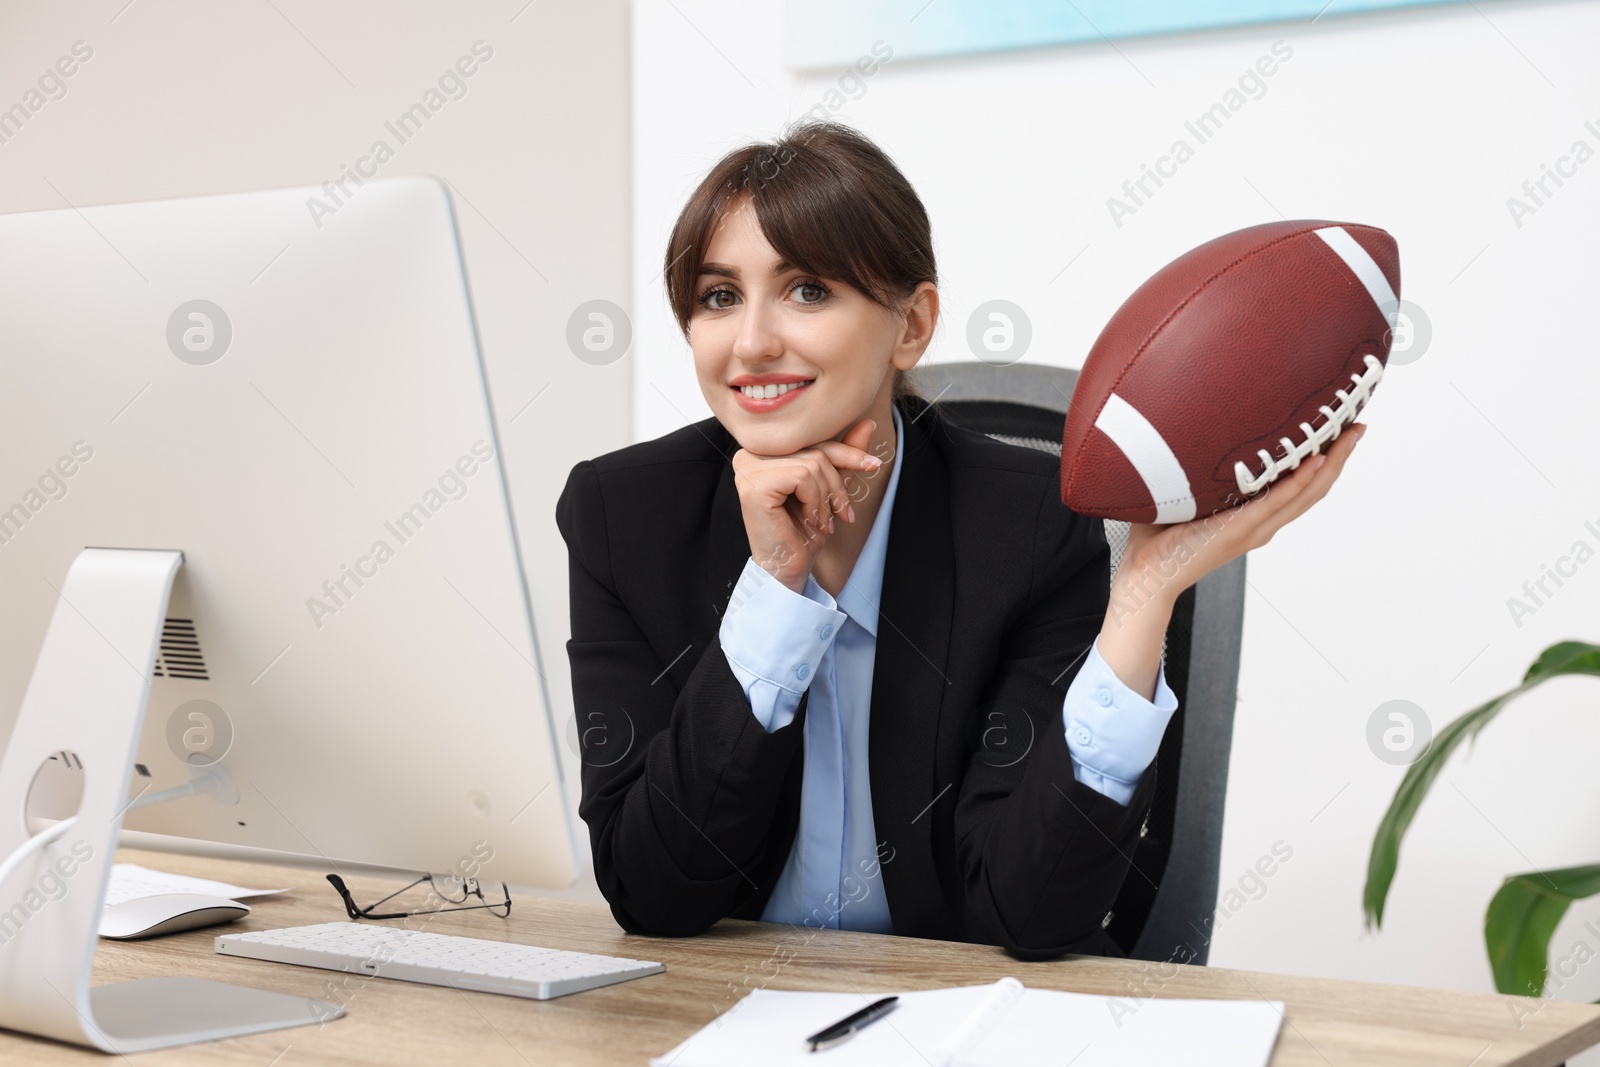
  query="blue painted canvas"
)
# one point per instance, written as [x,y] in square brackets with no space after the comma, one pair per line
[831,33]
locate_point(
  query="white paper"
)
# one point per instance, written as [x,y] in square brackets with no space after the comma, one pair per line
[1083,1030]
[129,881]
[1042,1027]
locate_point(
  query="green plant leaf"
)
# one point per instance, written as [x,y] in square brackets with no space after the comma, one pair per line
[1522,918]
[1568,657]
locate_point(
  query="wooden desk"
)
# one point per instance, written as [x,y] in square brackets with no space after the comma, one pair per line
[1329,1023]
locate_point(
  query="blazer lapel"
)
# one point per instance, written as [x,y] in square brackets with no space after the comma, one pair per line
[909,677]
[727,544]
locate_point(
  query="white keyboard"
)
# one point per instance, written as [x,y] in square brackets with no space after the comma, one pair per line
[436,959]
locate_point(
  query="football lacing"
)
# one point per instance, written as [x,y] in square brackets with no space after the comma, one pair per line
[1338,417]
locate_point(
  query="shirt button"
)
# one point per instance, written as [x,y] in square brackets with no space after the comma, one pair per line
[827,631]
[1103,695]
[1082,736]
[803,670]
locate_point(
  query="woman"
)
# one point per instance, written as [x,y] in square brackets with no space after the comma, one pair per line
[836,661]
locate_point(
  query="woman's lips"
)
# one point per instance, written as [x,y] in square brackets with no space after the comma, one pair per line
[750,403]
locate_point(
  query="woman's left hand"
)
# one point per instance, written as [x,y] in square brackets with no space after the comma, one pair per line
[1171,558]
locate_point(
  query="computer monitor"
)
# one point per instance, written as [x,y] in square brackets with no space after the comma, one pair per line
[286,387]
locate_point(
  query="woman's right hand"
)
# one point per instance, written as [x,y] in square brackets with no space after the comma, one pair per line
[790,502]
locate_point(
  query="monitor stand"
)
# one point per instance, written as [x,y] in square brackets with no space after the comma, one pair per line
[88,694]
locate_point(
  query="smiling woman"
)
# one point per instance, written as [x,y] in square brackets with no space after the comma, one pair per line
[826,203]
[818,610]
[803,278]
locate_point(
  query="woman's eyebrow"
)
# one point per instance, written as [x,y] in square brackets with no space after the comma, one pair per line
[722,270]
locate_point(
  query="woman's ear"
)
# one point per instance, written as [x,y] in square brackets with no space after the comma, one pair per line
[920,315]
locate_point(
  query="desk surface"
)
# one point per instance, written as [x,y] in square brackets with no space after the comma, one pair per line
[1329,1023]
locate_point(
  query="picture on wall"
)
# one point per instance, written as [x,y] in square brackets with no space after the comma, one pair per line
[831,33]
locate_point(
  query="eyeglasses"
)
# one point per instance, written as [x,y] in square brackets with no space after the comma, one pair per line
[469,888]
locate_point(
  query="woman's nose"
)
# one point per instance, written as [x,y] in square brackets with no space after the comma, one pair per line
[757,337]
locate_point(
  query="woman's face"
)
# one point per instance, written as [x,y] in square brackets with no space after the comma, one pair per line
[824,348]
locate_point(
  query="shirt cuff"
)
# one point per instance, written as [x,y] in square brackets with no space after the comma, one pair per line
[775,639]
[1113,733]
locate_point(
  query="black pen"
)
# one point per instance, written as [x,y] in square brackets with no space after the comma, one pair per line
[845,1028]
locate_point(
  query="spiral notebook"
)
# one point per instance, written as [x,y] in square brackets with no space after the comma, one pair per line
[999,1025]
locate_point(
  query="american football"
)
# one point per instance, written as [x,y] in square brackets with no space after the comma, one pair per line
[1227,368]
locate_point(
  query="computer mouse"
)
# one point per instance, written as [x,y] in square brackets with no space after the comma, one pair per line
[167,913]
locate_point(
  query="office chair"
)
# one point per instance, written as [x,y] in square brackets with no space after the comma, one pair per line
[1180,844]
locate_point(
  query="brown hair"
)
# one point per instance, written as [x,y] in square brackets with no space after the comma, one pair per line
[829,201]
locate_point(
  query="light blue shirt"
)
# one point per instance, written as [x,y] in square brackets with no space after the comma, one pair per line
[779,643]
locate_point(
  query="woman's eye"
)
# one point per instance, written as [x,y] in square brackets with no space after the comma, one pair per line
[709,299]
[812,293]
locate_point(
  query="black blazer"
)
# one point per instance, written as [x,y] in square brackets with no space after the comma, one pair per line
[993,592]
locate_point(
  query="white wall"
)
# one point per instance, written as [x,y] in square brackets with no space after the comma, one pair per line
[1479,466]
[190,98]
